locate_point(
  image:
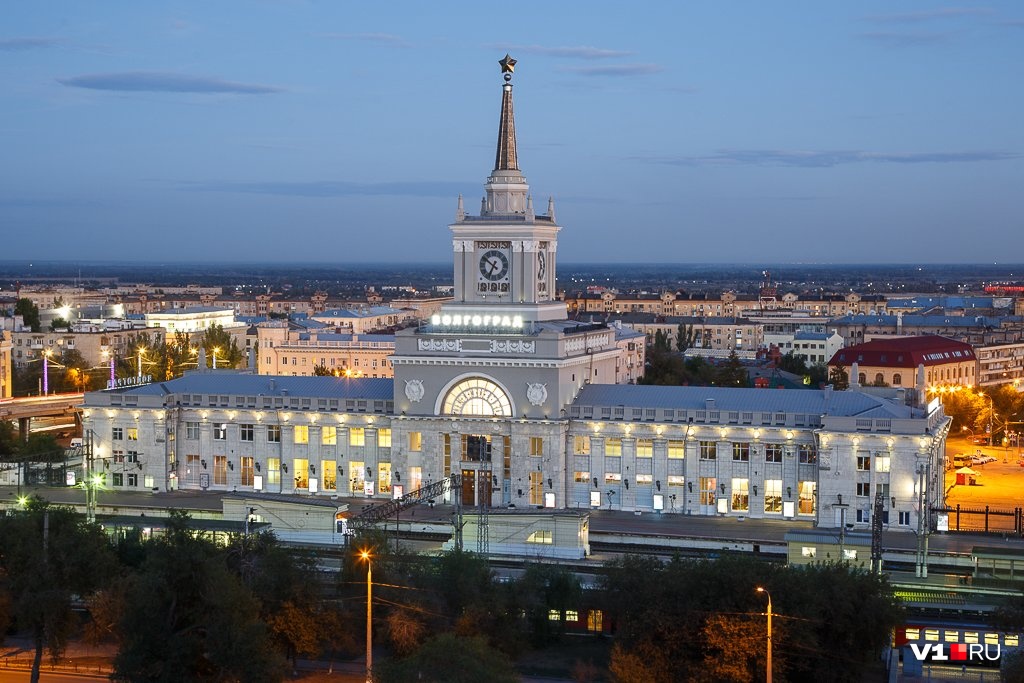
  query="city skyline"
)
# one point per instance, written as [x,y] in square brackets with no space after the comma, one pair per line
[295,132]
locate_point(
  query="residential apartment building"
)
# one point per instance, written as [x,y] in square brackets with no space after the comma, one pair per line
[282,350]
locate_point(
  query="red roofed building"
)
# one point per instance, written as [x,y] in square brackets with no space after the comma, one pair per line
[895,361]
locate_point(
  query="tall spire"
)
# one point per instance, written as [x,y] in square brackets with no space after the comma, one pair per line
[505,159]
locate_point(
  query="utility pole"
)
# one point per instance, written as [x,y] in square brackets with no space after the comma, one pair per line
[90,485]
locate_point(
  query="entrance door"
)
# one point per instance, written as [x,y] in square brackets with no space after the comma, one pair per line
[469,487]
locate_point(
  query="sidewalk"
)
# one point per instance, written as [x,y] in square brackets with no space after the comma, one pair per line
[78,657]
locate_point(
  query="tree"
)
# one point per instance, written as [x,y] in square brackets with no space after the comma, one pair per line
[187,616]
[732,373]
[661,341]
[544,589]
[29,313]
[215,339]
[321,371]
[50,556]
[684,337]
[449,659]
[9,442]
[839,378]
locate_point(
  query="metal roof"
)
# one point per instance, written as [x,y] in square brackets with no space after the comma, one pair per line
[804,401]
[233,382]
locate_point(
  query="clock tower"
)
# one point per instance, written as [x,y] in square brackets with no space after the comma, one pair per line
[505,257]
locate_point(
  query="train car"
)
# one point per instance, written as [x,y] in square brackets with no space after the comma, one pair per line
[964,637]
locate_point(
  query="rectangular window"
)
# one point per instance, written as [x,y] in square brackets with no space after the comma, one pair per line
[358,477]
[415,478]
[220,470]
[133,456]
[581,445]
[806,502]
[773,452]
[676,480]
[707,490]
[708,450]
[118,479]
[676,448]
[133,433]
[536,488]
[809,551]
[301,434]
[741,452]
[329,474]
[329,436]
[612,478]
[220,431]
[245,432]
[644,479]
[273,433]
[903,518]
[300,470]
[446,451]
[595,621]
[192,430]
[246,473]
[416,442]
[808,455]
[133,480]
[883,463]
[613,447]
[273,470]
[863,462]
[384,477]
[117,433]
[384,438]
[740,495]
[356,436]
[581,477]
[863,488]
[773,495]
[118,455]
[536,446]
[540,536]
[644,448]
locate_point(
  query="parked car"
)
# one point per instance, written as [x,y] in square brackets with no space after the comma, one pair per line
[979,440]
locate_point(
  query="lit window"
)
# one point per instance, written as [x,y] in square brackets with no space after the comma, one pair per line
[581,445]
[676,449]
[644,479]
[883,463]
[540,536]
[613,447]
[536,446]
[849,554]
[133,434]
[644,448]
[809,551]
[415,441]
[301,434]
[356,436]
[581,477]
[612,478]
[384,438]
[329,435]
[676,480]
[572,615]
[554,615]
[740,497]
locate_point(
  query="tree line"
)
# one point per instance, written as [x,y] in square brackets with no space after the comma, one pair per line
[180,607]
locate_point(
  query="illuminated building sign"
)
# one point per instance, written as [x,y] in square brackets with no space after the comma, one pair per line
[477,320]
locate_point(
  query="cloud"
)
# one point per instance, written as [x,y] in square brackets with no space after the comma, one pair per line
[907,38]
[382,38]
[15,44]
[827,159]
[577,52]
[150,81]
[336,188]
[618,70]
[928,15]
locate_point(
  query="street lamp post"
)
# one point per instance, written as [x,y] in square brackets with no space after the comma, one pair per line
[215,350]
[768,674]
[369,615]
[140,366]
[46,372]
[991,410]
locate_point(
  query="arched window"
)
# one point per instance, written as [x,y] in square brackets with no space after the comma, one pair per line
[879,379]
[478,397]
[862,378]
[897,380]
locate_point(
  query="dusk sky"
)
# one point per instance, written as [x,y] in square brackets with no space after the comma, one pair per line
[755,132]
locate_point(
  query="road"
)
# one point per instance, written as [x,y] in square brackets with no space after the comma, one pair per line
[20,675]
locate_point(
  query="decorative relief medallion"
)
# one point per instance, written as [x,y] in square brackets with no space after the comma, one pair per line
[414,390]
[513,346]
[438,345]
[825,459]
[537,393]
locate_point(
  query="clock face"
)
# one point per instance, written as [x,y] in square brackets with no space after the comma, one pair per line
[542,263]
[494,265]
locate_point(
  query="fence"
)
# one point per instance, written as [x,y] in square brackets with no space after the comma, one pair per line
[985,520]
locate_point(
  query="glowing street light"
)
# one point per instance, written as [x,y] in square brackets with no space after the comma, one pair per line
[365,554]
[141,351]
[215,350]
[991,410]
[46,372]
[768,675]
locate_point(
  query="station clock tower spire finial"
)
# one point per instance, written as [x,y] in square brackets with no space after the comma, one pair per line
[506,158]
